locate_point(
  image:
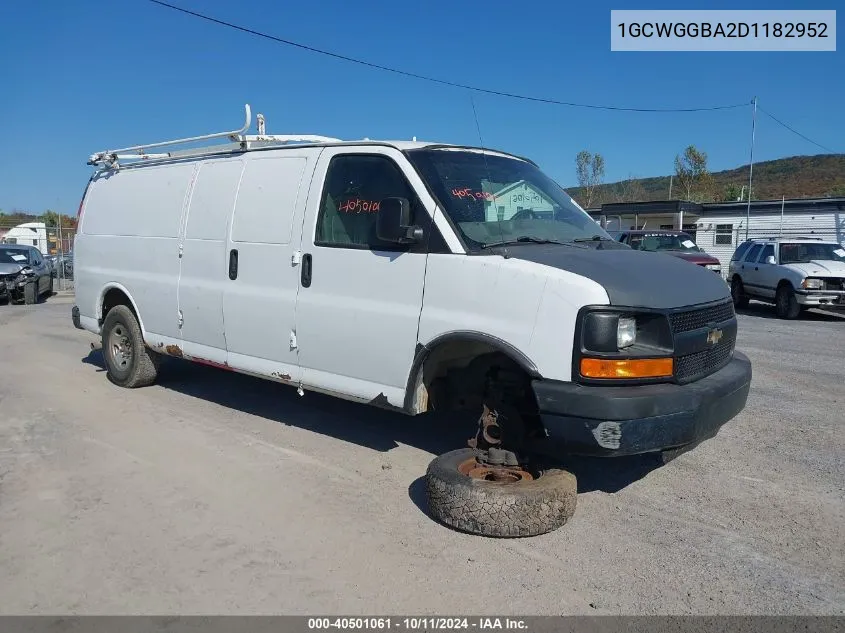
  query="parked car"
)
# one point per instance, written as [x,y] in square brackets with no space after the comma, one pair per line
[676,243]
[793,273]
[403,286]
[24,273]
[62,264]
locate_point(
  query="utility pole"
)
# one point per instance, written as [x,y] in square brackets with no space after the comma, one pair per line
[671,176]
[751,164]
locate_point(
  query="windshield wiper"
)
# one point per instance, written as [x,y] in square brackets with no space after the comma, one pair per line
[523,239]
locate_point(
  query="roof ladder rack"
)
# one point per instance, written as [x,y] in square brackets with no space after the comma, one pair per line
[111,158]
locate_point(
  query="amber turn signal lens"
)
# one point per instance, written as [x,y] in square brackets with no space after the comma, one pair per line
[637,368]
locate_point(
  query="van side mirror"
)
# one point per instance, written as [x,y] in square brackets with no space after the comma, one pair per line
[393,223]
[771,260]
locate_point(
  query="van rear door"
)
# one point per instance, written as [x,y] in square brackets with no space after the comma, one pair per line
[202,279]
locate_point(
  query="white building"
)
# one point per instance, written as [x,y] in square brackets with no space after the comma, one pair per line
[30,234]
[507,202]
[719,227]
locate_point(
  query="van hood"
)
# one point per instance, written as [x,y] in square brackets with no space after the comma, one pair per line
[631,278]
[819,268]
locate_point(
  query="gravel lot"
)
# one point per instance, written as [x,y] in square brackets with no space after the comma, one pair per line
[218,493]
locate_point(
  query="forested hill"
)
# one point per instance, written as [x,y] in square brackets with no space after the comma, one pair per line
[817,176]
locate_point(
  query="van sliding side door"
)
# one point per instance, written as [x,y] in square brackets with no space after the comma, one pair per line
[260,268]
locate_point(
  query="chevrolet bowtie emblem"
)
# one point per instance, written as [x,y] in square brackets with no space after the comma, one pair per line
[714,336]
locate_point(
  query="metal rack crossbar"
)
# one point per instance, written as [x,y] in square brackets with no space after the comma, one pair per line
[242,142]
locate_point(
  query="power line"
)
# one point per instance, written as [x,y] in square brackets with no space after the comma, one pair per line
[794,131]
[433,79]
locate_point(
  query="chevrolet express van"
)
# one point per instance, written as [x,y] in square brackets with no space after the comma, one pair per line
[412,276]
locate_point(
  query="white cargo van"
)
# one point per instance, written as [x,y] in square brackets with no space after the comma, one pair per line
[413,276]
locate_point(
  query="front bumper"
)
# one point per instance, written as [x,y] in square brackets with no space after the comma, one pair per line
[832,298]
[612,421]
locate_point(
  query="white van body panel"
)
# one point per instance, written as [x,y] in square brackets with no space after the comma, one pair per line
[129,238]
[465,294]
[259,307]
[202,278]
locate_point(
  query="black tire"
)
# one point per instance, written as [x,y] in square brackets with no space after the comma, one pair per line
[786,305]
[30,293]
[129,362]
[491,508]
[50,287]
[738,293]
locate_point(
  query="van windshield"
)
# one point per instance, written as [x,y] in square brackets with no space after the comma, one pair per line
[493,199]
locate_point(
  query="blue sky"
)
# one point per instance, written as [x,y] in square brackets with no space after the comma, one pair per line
[84,76]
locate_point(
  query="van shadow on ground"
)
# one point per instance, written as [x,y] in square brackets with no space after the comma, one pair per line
[363,424]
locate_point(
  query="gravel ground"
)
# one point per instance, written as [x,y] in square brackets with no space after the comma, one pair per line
[217,493]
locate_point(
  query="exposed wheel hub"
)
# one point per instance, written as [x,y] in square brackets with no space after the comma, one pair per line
[495,464]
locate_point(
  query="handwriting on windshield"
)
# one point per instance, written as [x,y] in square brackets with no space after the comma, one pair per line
[467,192]
[358,206]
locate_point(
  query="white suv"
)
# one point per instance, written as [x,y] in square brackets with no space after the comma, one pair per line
[792,273]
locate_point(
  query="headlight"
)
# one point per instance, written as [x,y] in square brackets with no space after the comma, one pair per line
[622,343]
[27,271]
[812,284]
[626,332]
[716,267]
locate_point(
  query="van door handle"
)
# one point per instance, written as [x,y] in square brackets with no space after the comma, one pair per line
[755,268]
[306,270]
[233,264]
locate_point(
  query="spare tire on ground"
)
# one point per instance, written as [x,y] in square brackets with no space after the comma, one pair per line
[469,494]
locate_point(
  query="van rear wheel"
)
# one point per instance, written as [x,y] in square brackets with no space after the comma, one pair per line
[129,362]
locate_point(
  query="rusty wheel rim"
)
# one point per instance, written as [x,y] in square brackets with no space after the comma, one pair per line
[498,474]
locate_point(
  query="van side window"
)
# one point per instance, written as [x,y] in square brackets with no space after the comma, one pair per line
[355,186]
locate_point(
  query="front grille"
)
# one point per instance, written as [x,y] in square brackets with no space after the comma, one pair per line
[700,317]
[699,364]
[832,283]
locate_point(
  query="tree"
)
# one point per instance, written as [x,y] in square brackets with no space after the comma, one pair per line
[589,168]
[837,191]
[50,218]
[630,190]
[732,193]
[691,172]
